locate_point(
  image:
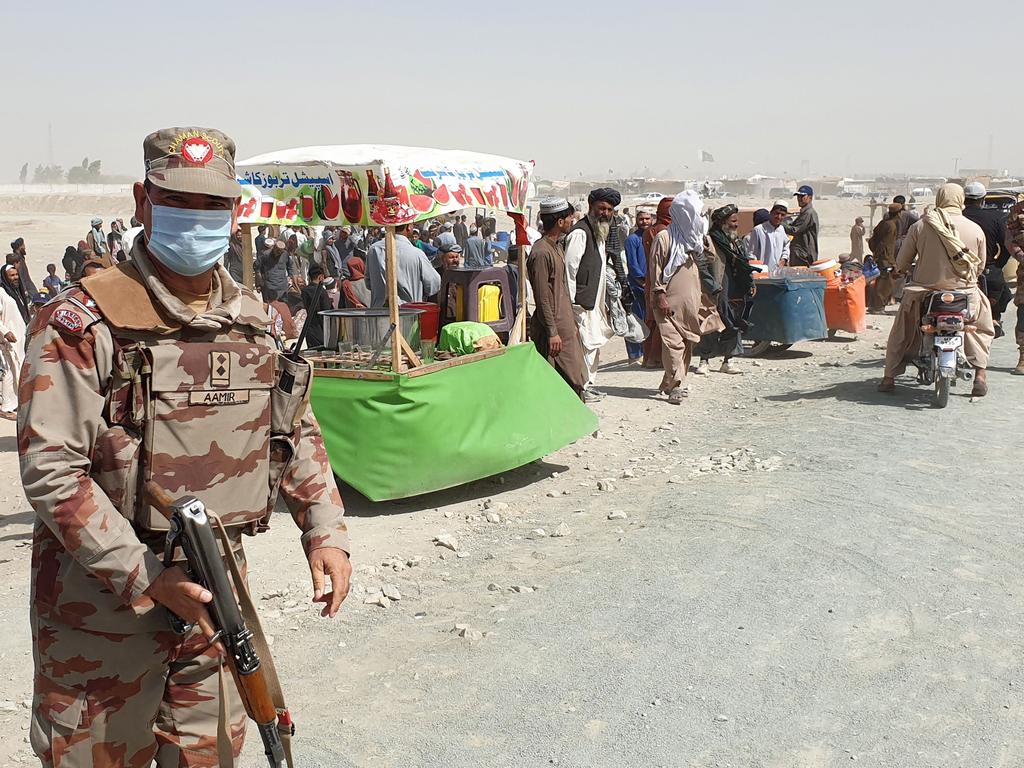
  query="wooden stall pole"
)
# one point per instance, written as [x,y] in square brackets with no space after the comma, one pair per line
[521,318]
[518,333]
[391,273]
[248,279]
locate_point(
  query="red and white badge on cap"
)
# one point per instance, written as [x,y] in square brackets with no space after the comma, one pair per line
[197,150]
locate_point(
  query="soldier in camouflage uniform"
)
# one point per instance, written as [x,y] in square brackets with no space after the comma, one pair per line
[159,368]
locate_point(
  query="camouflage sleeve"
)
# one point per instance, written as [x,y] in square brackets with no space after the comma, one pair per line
[311,494]
[59,416]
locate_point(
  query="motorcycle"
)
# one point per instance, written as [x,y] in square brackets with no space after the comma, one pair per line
[941,361]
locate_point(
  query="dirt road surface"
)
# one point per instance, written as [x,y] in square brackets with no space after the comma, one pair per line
[797,571]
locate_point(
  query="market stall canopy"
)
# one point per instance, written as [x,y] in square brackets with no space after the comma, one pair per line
[376,184]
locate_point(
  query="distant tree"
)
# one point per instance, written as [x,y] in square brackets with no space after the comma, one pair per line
[48,174]
[23,176]
[86,173]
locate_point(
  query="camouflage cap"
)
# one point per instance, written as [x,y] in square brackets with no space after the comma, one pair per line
[199,160]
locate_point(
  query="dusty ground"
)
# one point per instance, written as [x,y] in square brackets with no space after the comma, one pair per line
[807,573]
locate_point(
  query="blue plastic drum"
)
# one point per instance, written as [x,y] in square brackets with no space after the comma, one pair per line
[787,310]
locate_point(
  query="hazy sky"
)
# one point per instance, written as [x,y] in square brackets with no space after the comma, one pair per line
[849,87]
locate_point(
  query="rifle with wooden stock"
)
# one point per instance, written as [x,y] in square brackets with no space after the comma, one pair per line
[248,656]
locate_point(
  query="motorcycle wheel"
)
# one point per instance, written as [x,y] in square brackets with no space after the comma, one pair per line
[941,398]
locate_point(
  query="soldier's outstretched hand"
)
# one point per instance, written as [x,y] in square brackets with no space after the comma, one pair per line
[334,564]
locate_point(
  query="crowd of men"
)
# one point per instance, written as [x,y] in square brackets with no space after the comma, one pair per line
[681,274]
[686,279]
[687,274]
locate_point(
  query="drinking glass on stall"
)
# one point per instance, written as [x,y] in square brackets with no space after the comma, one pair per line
[427,350]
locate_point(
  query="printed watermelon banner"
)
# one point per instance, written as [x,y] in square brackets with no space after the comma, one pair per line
[321,185]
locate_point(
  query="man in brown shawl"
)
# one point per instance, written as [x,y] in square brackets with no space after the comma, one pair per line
[883,248]
[652,347]
[947,252]
[553,326]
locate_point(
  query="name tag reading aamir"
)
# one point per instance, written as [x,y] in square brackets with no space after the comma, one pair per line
[219,397]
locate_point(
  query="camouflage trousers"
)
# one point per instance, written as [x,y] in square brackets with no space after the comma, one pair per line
[105,699]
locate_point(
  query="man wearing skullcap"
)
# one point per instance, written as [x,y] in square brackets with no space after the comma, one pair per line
[586,272]
[767,241]
[553,326]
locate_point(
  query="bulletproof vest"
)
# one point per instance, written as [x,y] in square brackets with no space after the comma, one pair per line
[191,410]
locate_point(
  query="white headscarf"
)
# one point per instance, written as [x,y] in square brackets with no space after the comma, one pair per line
[686,231]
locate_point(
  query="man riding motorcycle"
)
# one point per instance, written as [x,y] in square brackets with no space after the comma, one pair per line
[949,250]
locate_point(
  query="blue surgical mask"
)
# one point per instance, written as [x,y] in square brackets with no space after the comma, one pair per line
[189,241]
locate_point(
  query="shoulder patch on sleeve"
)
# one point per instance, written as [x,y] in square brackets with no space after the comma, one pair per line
[72,313]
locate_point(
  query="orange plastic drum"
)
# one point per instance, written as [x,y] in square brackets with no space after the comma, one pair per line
[845,308]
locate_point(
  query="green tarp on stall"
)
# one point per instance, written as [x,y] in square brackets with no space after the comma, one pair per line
[411,435]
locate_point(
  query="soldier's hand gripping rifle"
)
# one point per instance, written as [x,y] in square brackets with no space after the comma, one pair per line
[253,670]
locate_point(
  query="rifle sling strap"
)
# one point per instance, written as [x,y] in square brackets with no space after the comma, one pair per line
[259,640]
[225,747]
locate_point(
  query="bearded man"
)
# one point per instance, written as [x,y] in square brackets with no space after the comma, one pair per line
[585,266]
